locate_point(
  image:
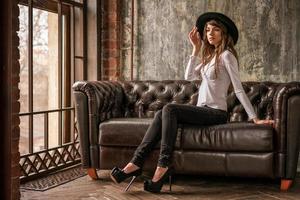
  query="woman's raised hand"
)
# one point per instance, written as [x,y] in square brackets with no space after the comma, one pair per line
[195,40]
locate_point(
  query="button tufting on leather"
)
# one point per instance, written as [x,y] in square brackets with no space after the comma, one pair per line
[180,91]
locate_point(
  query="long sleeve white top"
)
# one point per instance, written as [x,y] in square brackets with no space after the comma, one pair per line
[213,90]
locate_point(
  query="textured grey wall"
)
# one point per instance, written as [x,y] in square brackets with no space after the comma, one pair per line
[268,47]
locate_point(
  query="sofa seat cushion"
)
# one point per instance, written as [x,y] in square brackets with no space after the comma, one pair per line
[127,132]
[238,136]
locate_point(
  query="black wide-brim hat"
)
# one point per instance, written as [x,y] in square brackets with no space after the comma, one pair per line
[231,27]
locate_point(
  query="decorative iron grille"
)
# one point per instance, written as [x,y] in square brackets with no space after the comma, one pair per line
[43,162]
[34,165]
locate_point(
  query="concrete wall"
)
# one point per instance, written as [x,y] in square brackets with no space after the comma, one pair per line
[268,47]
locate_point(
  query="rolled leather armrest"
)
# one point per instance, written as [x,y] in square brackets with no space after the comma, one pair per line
[95,101]
[286,104]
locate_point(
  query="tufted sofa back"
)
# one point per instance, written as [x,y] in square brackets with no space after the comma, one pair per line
[144,98]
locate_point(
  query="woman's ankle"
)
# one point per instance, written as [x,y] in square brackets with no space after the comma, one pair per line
[159,172]
[130,167]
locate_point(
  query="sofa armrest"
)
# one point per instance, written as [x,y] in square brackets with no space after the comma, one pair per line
[286,106]
[95,101]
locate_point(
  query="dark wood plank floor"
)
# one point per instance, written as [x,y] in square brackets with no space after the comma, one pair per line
[184,187]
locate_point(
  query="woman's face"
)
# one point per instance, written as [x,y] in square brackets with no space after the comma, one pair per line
[213,34]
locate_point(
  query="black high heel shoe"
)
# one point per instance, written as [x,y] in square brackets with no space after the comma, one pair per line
[118,175]
[155,187]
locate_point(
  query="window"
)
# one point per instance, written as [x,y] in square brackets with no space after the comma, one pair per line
[50,61]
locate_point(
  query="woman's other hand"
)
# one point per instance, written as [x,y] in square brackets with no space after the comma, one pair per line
[195,40]
[264,121]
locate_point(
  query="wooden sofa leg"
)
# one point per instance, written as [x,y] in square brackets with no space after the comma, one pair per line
[92,172]
[285,184]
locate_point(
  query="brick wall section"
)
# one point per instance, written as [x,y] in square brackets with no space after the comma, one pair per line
[111,39]
[15,155]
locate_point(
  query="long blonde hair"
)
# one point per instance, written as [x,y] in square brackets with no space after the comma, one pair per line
[209,51]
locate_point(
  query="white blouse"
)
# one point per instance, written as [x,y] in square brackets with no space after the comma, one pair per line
[213,90]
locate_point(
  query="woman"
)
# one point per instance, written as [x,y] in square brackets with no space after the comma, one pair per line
[215,34]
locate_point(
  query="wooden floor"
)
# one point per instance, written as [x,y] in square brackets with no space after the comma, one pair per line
[184,187]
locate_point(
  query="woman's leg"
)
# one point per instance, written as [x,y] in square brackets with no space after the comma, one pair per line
[133,168]
[151,138]
[173,114]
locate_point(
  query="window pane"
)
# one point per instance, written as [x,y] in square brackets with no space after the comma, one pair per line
[23,48]
[78,45]
[24,135]
[53,129]
[78,34]
[66,68]
[38,133]
[45,60]
[78,69]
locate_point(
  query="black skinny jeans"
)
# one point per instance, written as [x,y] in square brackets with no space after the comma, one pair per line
[164,128]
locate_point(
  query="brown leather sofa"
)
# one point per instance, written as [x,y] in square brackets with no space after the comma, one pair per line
[113,117]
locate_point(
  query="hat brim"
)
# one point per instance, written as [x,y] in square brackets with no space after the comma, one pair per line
[230,25]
